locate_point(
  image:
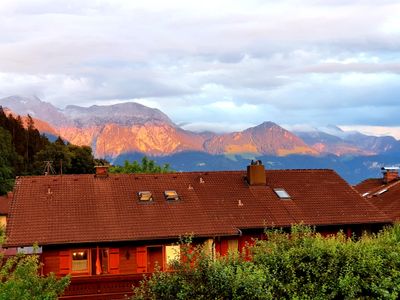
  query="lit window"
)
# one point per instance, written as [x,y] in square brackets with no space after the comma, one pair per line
[80,261]
[281,193]
[145,196]
[171,195]
[172,253]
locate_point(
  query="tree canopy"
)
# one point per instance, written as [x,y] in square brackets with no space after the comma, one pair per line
[24,151]
[146,166]
[8,158]
[20,279]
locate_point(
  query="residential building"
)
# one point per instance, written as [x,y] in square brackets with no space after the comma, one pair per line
[384,192]
[107,230]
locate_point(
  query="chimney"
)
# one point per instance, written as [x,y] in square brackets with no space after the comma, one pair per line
[390,174]
[256,173]
[101,171]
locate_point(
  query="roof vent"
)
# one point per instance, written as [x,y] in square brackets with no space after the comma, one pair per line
[256,173]
[282,194]
[145,196]
[171,195]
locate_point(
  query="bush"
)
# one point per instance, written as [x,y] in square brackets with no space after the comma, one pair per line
[20,280]
[301,264]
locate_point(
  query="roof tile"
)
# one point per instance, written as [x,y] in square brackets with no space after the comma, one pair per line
[83,208]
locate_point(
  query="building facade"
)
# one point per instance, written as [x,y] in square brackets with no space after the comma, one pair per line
[107,230]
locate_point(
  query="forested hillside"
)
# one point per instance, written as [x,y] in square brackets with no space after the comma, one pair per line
[24,151]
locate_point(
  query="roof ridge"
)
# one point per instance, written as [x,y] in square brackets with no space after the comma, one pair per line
[53,176]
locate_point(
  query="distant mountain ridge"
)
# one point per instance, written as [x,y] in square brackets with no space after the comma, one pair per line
[123,114]
[35,108]
[134,128]
[340,143]
[266,138]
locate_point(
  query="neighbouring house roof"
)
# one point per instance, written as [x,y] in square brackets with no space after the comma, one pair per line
[84,208]
[4,204]
[385,196]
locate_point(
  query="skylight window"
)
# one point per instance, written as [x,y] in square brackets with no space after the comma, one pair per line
[380,192]
[171,195]
[281,193]
[145,196]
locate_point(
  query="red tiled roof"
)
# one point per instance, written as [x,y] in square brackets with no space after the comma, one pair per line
[385,197]
[4,205]
[83,208]
[369,185]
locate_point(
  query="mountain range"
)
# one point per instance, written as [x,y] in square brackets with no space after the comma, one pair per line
[129,129]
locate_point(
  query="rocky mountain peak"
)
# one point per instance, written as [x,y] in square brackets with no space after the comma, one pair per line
[125,114]
[32,105]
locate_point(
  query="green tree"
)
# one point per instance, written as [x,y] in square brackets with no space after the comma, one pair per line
[82,160]
[147,166]
[300,264]
[26,141]
[8,156]
[57,153]
[20,279]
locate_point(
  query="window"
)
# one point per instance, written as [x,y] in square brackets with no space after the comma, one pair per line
[172,253]
[80,261]
[99,261]
[281,193]
[380,192]
[171,195]
[104,260]
[145,196]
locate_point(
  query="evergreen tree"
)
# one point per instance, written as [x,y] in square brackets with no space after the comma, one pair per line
[7,160]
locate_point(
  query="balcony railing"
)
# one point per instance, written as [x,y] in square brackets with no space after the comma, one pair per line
[102,287]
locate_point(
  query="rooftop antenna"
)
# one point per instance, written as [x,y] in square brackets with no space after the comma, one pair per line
[48,167]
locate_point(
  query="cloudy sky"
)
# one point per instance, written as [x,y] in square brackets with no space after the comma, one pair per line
[220,65]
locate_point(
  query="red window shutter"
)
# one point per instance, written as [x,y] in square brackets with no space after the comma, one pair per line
[65,262]
[218,247]
[114,261]
[141,259]
[224,247]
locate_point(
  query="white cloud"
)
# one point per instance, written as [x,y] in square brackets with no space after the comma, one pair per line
[374,130]
[287,61]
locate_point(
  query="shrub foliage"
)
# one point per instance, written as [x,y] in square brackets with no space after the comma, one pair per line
[301,264]
[20,279]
